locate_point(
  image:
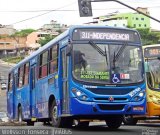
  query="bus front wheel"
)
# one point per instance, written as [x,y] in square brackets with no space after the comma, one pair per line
[59,121]
[114,122]
[30,123]
[129,120]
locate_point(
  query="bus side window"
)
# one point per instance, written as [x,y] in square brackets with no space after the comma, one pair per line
[10,81]
[43,68]
[26,73]
[20,76]
[53,60]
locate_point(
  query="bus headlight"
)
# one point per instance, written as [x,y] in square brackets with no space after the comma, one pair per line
[155,99]
[80,95]
[139,96]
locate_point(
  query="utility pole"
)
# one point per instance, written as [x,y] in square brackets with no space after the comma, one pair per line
[125,6]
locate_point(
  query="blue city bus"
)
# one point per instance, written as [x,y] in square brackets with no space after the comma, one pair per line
[87,72]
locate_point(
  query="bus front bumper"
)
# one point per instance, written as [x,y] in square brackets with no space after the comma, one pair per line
[97,108]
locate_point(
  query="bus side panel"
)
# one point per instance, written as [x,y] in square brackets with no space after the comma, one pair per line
[10,104]
[46,87]
[22,99]
[153,109]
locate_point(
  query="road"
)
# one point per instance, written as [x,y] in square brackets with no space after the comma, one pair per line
[4,69]
[94,129]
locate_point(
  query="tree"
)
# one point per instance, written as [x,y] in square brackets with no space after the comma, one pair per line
[19,34]
[148,37]
[43,41]
[23,33]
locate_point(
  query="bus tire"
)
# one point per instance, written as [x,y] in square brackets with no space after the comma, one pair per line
[81,124]
[129,120]
[20,118]
[114,122]
[30,123]
[56,121]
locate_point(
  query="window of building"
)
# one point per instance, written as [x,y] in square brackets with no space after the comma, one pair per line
[43,68]
[142,19]
[39,35]
[115,25]
[124,25]
[126,17]
[139,25]
[26,73]
[132,18]
[134,25]
[10,81]
[20,76]
[145,25]
[53,60]
[37,41]
[136,18]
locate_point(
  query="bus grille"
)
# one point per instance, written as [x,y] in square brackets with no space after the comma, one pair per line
[111,91]
[111,107]
[115,99]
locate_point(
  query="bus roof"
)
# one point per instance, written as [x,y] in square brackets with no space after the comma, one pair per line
[62,36]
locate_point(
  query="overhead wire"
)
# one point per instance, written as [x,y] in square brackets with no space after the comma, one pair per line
[22,11]
[58,10]
[42,14]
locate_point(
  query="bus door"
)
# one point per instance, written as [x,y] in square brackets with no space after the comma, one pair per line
[65,92]
[10,96]
[33,91]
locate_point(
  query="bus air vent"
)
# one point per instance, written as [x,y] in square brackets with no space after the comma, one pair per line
[110,107]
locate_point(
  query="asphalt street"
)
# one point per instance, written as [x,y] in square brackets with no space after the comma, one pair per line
[4,69]
[99,128]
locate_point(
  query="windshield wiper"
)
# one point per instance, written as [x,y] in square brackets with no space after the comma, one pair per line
[98,49]
[117,56]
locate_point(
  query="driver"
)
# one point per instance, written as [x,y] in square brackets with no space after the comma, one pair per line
[80,61]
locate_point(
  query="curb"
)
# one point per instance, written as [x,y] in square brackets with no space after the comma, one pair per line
[13,123]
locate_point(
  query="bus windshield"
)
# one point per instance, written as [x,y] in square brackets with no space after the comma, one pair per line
[152,67]
[107,63]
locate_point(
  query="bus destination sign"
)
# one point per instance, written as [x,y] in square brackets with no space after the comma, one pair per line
[106,34]
[152,52]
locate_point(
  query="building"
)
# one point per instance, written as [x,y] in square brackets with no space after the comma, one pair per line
[10,46]
[133,20]
[33,39]
[7,30]
[53,28]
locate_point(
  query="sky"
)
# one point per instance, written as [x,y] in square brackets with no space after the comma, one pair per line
[23,14]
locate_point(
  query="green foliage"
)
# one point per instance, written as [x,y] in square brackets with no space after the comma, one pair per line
[45,40]
[149,37]
[23,33]
[13,59]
